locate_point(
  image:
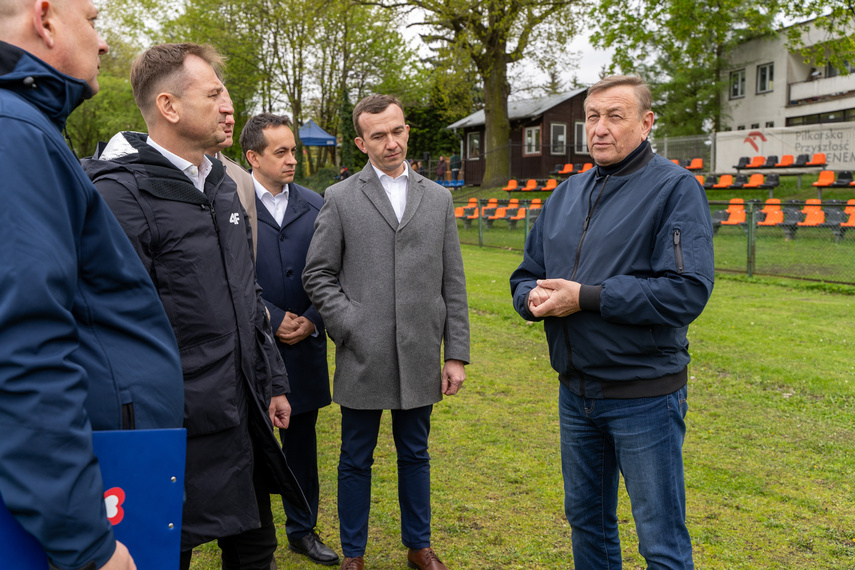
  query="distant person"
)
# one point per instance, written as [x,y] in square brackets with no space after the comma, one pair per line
[385,271]
[84,341]
[286,220]
[440,169]
[343,173]
[454,163]
[185,220]
[617,265]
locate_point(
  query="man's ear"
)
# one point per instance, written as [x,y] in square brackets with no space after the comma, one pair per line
[43,21]
[167,106]
[252,158]
[360,144]
[647,123]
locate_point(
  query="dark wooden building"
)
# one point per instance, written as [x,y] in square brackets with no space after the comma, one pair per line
[545,132]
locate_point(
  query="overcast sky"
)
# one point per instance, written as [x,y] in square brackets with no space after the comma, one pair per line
[591,60]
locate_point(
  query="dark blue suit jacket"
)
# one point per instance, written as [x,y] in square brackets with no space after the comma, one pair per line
[280,262]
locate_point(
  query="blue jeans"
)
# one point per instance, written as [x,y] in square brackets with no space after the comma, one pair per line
[642,439]
[359,430]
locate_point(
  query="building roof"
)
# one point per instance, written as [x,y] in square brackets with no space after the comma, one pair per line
[522,109]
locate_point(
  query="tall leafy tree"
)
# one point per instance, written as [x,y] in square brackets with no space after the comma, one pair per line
[493,34]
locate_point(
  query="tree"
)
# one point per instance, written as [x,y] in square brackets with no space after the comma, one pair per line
[680,47]
[112,109]
[494,34]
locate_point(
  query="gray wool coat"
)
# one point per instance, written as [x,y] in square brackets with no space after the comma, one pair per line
[390,293]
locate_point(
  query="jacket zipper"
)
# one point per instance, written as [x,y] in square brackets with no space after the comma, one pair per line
[678,251]
[591,208]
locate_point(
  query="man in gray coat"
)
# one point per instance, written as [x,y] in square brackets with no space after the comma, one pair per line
[385,271]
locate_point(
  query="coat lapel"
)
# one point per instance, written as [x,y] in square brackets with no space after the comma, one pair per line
[264,215]
[415,191]
[371,187]
[297,206]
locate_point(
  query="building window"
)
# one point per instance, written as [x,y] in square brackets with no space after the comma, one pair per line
[770,124]
[558,138]
[830,117]
[831,71]
[737,84]
[765,77]
[473,146]
[740,127]
[580,138]
[531,141]
[755,125]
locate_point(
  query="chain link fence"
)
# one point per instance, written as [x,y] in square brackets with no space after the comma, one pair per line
[755,243]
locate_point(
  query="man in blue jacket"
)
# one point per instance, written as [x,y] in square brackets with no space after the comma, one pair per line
[618,264]
[286,223]
[84,341]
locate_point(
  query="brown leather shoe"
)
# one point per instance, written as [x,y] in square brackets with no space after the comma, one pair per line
[352,563]
[424,559]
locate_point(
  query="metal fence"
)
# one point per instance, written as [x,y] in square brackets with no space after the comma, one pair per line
[686,148]
[824,252]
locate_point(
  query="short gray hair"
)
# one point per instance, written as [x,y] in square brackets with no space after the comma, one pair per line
[642,90]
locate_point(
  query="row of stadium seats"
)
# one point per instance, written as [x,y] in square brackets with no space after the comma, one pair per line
[790,217]
[693,164]
[509,210]
[532,185]
[787,161]
[570,169]
[741,181]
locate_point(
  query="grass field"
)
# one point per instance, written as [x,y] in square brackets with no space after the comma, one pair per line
[770,468]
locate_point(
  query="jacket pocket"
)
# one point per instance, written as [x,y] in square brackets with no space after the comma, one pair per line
[678,251]
[210,397]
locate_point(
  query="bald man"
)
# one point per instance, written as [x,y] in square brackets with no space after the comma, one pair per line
[86,344]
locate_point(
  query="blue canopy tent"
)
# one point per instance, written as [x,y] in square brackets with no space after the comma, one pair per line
[312,135]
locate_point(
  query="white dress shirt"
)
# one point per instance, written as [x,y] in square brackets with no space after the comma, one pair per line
[396,189]
[196,174]
[277,204]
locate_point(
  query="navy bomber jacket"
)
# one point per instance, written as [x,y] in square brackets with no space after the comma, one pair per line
[638,237]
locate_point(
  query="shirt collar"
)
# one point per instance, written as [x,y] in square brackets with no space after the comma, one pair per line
[180,163]
[381,174]
[261,191]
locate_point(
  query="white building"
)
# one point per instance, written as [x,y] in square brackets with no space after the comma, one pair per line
[770,86]
[786,106]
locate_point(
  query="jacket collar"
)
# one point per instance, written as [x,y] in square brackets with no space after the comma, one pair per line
[163,180]
[636,160]
[53,93]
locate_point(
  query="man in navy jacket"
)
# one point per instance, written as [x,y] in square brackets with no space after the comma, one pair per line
[618,264]
[84,340]
[286,223]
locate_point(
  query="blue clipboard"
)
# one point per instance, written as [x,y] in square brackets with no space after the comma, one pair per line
[143,474]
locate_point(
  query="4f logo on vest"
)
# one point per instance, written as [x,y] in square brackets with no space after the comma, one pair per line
[234,219]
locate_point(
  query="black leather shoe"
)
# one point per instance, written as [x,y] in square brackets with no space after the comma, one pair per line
[315,550]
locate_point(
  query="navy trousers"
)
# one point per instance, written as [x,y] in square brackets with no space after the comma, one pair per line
[359,430]
[300,444]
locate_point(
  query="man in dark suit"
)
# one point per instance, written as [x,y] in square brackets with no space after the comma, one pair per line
[286,219]
[385,271]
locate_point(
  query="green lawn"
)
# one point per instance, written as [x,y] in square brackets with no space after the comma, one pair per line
[769,451]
